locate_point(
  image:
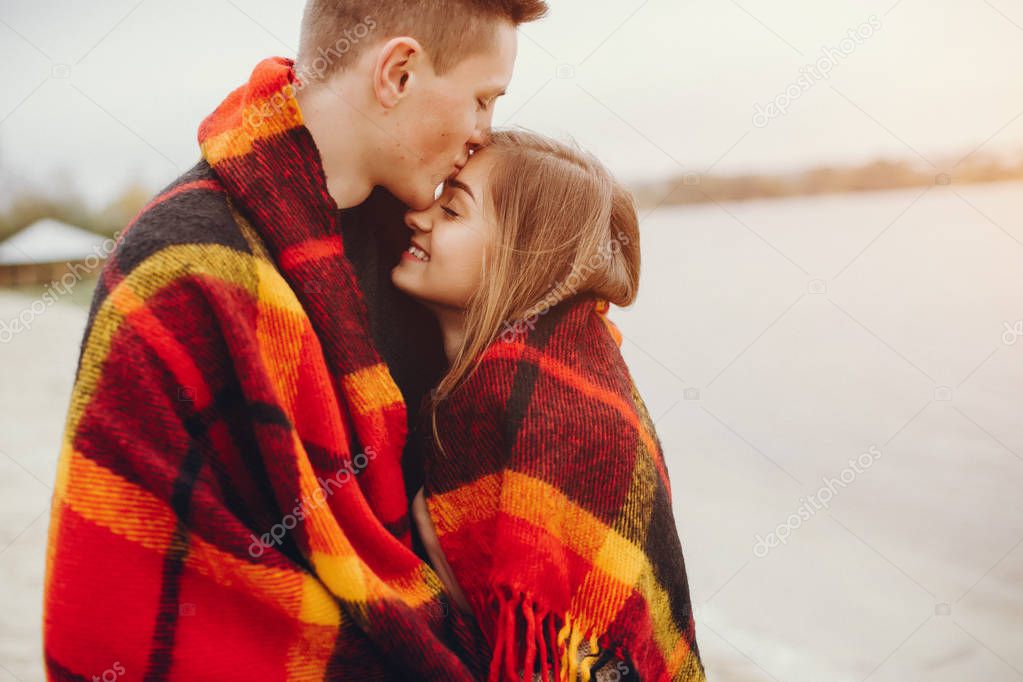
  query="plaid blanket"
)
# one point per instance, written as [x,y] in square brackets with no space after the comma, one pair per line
[552,505]
[229,502]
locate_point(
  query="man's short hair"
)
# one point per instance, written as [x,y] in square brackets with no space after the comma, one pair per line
[335,32]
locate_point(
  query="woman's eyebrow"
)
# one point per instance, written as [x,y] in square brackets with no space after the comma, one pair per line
[458,184]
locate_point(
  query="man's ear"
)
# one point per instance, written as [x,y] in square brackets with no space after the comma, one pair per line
[398,62]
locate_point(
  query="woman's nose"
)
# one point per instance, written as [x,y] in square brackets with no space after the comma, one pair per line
[417,221]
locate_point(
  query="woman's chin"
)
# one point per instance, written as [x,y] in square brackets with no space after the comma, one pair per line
[439,302]
[402,283]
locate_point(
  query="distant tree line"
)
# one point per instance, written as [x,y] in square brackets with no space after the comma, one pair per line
[30,204]
[877,175]
[26,204]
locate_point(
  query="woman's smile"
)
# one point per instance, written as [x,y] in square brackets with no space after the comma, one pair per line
[416,253]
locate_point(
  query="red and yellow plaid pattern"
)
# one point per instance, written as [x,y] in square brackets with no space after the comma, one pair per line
[552,504]
[229,501]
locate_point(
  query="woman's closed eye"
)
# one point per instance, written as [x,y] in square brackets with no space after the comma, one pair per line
[450,212]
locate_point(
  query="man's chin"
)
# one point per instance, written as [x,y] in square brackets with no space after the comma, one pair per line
[417,201]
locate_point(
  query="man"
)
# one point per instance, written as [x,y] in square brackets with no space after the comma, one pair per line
[230,501]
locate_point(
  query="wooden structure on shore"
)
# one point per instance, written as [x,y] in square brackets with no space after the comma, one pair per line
[49,250]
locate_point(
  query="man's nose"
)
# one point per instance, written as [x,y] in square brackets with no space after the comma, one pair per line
[480,135]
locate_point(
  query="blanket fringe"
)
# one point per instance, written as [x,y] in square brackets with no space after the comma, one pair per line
[528,640]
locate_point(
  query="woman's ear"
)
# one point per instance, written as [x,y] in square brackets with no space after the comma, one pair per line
[395,68]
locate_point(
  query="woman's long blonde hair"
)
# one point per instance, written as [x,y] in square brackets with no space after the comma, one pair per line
[564,226]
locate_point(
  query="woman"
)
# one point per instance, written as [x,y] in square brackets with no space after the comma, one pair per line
[546,508]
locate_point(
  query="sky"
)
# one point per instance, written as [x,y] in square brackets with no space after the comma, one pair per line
[98,95]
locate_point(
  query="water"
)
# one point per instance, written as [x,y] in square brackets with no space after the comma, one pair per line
[773,341]
[903,347]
